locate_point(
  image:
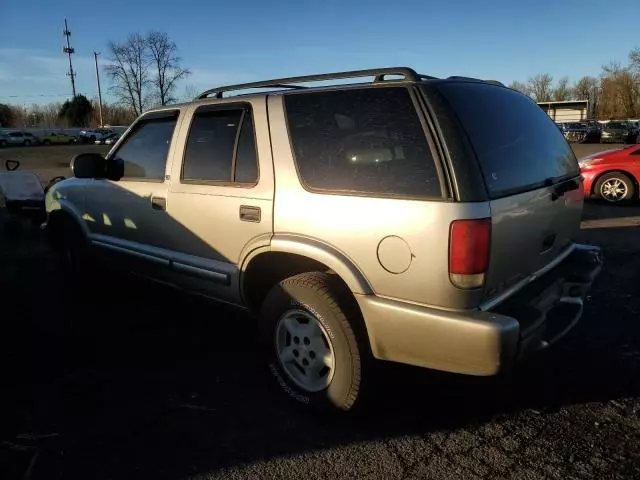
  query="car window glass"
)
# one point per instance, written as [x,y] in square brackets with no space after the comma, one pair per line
[517,145]
[144,152]
[246,156]
[361,141]
[209,152]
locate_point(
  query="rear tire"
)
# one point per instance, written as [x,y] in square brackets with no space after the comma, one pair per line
[311,332]
[615,187]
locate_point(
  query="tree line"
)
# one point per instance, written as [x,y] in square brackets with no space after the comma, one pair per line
[614,95]
[142,71]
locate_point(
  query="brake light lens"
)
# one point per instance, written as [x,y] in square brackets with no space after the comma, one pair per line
[469,247]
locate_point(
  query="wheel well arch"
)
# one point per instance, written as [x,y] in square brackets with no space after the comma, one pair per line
[268,268]
[57,220]
[636,184]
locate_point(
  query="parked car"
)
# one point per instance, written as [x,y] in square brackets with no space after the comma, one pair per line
[106,139]
[18,138]
[58,139]
[575,132]
[333,215]
[618,132]
[612,175]
[90,136]
[111,139]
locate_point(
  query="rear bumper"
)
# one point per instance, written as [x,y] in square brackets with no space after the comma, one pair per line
[484,342]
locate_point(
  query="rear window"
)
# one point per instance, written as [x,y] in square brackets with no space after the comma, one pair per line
[361,141]
[518,146]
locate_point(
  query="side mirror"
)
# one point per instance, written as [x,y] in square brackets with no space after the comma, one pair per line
[88,165]
[94,165]
[115,169]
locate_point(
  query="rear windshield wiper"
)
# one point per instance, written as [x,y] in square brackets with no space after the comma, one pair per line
[562,185]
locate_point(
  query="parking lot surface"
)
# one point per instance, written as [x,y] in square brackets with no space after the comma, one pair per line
[150,383]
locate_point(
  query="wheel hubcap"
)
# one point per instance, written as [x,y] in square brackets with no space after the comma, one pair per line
[613,190]
[304,350]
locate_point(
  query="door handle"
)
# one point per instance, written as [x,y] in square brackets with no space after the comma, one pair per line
[158,203]
[249,213]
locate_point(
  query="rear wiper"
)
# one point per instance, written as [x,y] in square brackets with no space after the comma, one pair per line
[562,185]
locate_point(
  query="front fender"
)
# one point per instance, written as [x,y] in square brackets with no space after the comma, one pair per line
[57,202]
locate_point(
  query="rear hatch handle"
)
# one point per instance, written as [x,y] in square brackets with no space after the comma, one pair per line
[562,187]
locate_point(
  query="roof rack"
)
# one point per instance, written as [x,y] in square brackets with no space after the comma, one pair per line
[379,75]
[494,82]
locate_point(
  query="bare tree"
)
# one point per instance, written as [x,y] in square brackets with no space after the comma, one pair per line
[634,60]
[519,86]
[162,52]
[587,88]
[562,91]
[129,71]
[620,95]
[540,87]
[190,92]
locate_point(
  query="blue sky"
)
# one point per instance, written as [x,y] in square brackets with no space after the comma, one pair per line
[235,41]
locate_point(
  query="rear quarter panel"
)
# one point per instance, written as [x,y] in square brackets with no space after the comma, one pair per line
[400,246]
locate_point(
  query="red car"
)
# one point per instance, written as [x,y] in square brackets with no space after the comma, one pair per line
[612,175]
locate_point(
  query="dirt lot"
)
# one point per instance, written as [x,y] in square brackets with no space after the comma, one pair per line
[155,384]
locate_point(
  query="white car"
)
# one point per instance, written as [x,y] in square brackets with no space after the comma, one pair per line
[94,136]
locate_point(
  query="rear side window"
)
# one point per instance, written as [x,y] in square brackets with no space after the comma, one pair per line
[361,141]
[221,147]
[518,146]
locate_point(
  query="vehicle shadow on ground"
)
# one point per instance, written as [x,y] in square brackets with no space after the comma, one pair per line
[160,384]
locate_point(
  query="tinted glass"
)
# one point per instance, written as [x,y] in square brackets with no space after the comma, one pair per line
[209,151]
[517,145]
[246,157]
[145,151]
[361,141]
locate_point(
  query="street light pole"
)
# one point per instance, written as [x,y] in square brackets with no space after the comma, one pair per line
[95,57]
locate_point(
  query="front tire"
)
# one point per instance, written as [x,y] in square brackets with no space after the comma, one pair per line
[310,328]
[615,187]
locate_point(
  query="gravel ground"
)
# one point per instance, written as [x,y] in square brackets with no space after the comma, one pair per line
[155,384]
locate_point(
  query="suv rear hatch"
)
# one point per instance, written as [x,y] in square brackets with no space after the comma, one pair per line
[531,176]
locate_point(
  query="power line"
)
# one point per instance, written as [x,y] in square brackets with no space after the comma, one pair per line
[36,95]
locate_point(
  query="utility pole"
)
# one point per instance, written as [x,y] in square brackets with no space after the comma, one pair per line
[95,56]
[68,50]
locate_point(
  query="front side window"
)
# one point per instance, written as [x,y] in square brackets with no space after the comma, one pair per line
[144,151]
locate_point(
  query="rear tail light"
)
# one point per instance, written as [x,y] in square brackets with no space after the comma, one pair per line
[469,247]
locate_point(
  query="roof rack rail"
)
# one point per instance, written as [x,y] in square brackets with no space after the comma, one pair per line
[379,75]
[494,82]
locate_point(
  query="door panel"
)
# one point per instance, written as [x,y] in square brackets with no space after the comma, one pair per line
[130,215]
[221,216]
